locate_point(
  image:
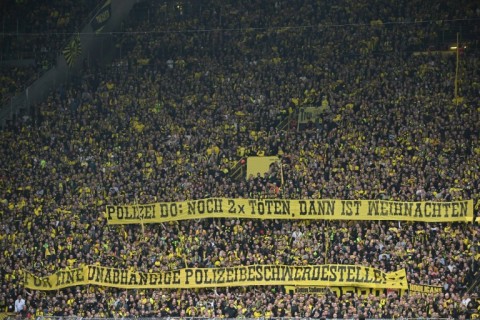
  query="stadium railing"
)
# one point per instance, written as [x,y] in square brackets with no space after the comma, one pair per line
[204,318]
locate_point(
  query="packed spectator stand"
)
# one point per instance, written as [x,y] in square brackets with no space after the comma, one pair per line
[199,86]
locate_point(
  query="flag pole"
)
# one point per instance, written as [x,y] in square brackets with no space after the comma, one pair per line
[136,203]
[456,71]
[281,173]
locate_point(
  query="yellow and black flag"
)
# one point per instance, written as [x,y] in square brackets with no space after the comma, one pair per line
[73,50]
[101,18]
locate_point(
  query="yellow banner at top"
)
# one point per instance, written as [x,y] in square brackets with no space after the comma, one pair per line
[321,209]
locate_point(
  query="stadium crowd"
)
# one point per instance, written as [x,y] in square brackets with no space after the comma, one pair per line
[168,120]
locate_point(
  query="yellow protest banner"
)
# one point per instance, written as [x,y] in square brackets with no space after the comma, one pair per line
[310,114]
[259,165]
[455,211]
[312,275]
[320,291]
[339,291]
[425,289]
[59,280]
